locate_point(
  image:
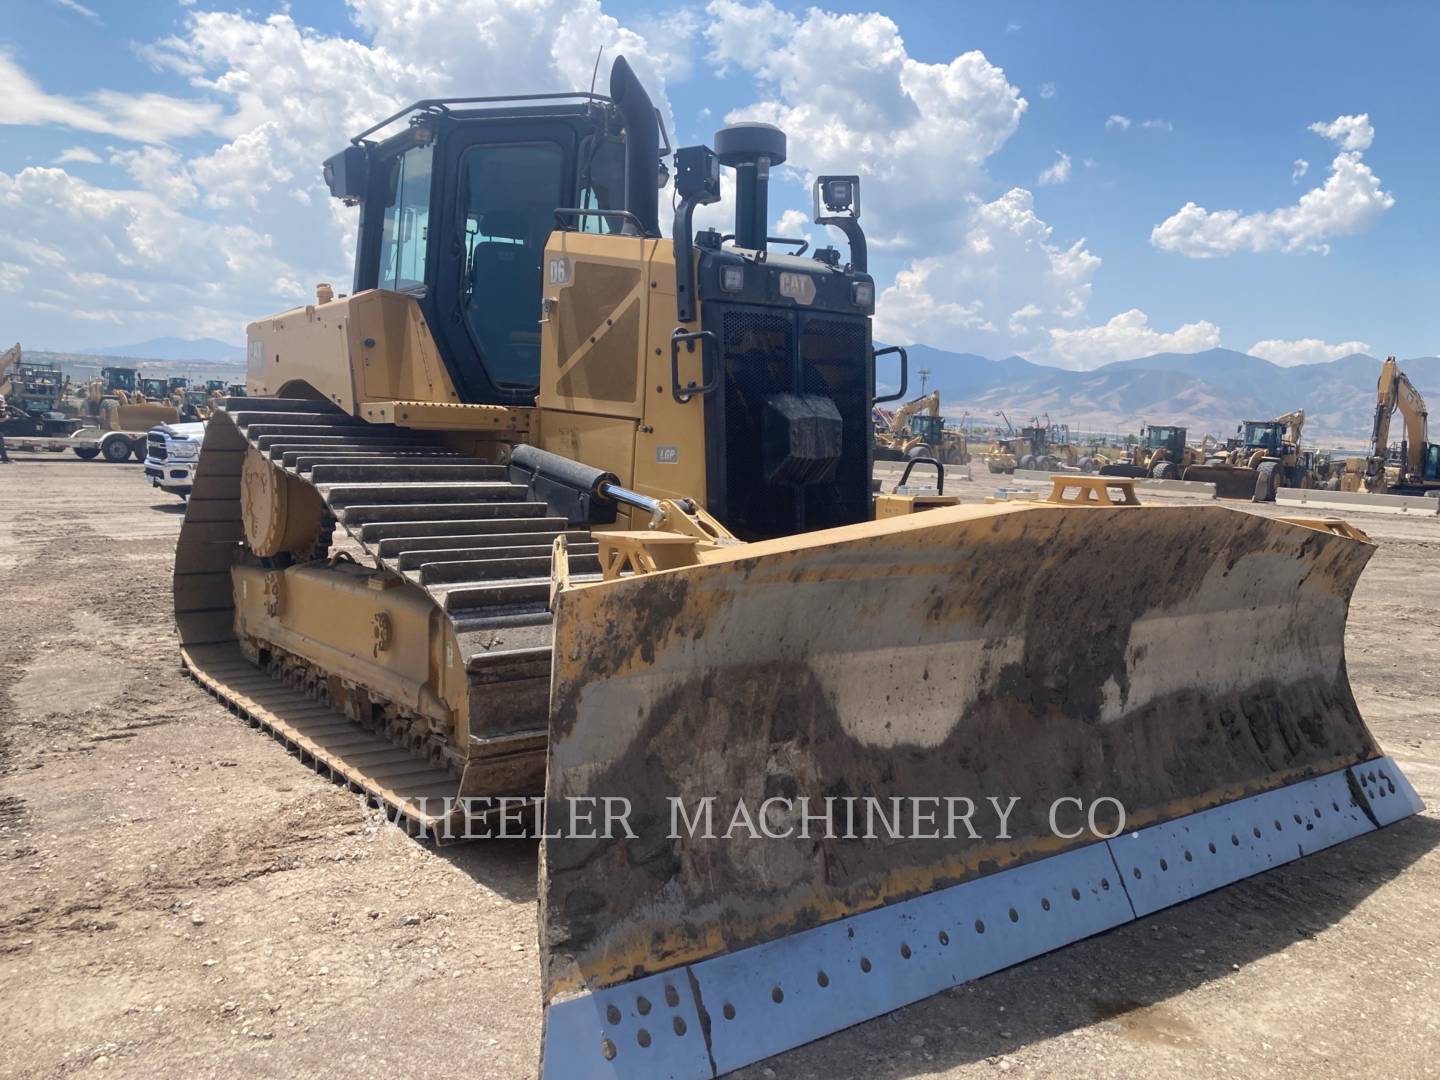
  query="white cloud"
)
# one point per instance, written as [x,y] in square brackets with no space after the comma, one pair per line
[1019,322]
[1305,351]
[1348,132]
[78,8]
[1123,123]
[1125,336]
[1057,173]
[1004,265]
[991,277]
[12,276]
[77,154]
[144,117]
[158,170]
[1013,28]
[1349,202]
[202,235]
[793,223]
[238,224]
[851,99]
[1047,90]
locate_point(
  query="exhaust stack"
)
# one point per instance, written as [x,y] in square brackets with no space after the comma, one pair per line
[750,149]
[642,146]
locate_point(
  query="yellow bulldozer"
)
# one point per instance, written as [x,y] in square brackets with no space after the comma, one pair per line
[554,511]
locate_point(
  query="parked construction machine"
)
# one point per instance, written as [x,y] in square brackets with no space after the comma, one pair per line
[917,430]
[554,506]
[118,415]
[1161,453]
[1417,467]
[1265,455]
[1034,446]
[33,415]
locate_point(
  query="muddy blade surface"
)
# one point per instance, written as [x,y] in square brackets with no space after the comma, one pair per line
[1183,660]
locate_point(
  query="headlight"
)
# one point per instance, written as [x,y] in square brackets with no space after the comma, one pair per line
[732,278]
[839,194]
[862,295]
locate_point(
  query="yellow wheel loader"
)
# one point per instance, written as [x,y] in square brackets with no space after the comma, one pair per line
[555,508]
[1161,453]
[1266,456]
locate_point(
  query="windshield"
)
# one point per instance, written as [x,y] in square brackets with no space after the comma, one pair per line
[1161,436]
[510,193]
[928,427]
[1262,435]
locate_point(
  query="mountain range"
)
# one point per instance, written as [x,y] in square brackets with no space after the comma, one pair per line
[1208,391]
[173,348]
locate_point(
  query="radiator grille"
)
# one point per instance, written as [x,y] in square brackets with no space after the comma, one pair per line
[764,351]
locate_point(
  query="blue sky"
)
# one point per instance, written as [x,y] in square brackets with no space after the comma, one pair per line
[969,238]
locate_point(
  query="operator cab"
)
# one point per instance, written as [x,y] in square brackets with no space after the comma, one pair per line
[1165,438]
[1264,435]
[931,429]
[456,211]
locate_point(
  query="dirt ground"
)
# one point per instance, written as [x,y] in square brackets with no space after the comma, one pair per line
[179,897]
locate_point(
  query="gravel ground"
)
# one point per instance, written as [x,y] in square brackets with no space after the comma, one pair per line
[182,898]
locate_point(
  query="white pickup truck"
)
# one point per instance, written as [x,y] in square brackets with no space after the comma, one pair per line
[171,453]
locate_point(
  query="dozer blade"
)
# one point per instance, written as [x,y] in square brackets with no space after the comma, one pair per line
[1185,662]
[1231,482]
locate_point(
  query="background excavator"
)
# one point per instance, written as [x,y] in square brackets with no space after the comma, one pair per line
[1418,469]
[555,506]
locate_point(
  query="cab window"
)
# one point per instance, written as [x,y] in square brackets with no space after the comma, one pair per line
[405,232]
[509,193]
